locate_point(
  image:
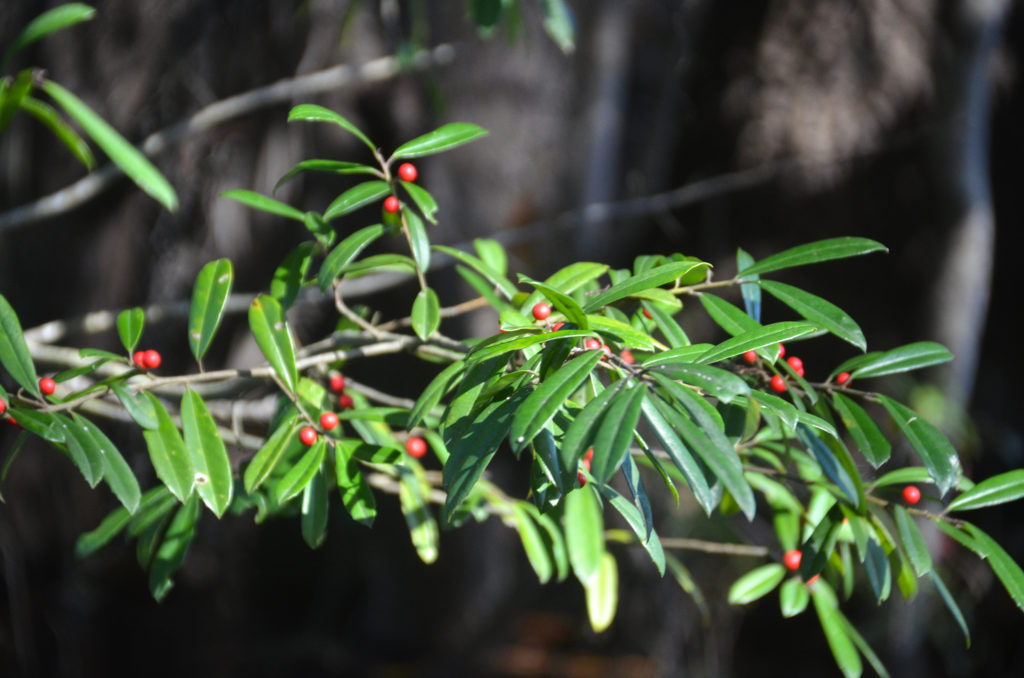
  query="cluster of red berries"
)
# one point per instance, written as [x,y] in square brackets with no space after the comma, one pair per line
[594,344]
[337,384]
[407,172]
[147,360]
[585,463]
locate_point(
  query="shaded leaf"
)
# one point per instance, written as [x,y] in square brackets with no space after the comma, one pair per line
[985,547]
[317,165]
[314,511]
[424,201]
[560,27]
[494,277]
[49,116]
[116,472]
[138,406]
[751,295]
[422,526]
[837,471]
[769,335]
[951,605]
[862,428]
[290,275]
[611,444]
[173,547]
[913,542]
[435,390]
[282,443]
[14,353]
[679,453]
[533,543]
[356,495]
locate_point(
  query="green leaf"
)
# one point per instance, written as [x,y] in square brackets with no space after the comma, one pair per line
[999,489]
[380,263]
[584,533]
[641,528]
[492,253]
[291,274]
[14,353]
[793,597]
[541,405]
[678,453]
[298,476]
[563,302]
[951,605]
[822,313]
[167,451]
[903,359]
[46,23]
[112,525]
[213,479]
[358,196]
[931,446]
[815,252]
[426,314]
[769,335]
[139,407]
[876,565]
[442,139]
[173,547]
[418,240]
[913,542]
[834,468]
[517,340]
[315,508]
[46,425]
[625,332]
[568,279]
[346,251]
[127,157]
[83,451]
[717,382]
[756,584]
[424,201]
[115,470]
[48,115]
[312,112]
[582,431]
[655,277]
[839,642]
[129,327]
[209,298]
[356,495]
[422,526]
[435,390]
[496,278]
[673,333]
[270,329]
[611,444]
[985,547]
[333,166]
[264,204]
[751,292]
[863,429]
[533,542]
[560,27]
[603,594]
[13,94]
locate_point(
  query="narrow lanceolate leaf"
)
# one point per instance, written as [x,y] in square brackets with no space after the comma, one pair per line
[755,584]
[295,480]
[171,552]
[751,292]
[637,522]
[728,317]
[312,112]
[14,354]
[822,313]
[318,165]
[167,451]
[914,356]
[611,444]
[563,302]
[674,334]
[426,314]
[793,597]
[913,542]
[129,327]
[603,594]
[356,495]
[358,196]
[843,649]
[541,405]
[424,201]
[984,546]
[951,605]
[127,157]
[816,252]
[655,277]
[442,139]
[624,332]
[422,526]
[999,489]
[46,23]
[209,297]
[83,452]
[878,569]
[721,384]
[48,115]
[837,472]
[270,329]
[534,543]
[435,390]
[291,274]
[865,432]
[679,453]
[769,335]
[117,474]
[935,451]
[264,203]
[418,240]
[584,533]
[346,251]
[138,406]
[209,455]
[495,277]
[314,511]
[580,434]
[559,24]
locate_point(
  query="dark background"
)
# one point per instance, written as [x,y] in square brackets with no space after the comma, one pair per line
[897,120]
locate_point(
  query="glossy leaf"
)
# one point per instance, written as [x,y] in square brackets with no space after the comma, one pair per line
[356,495]
[877,567]
[444,138]
[678,452]
[418,241]
[167,451]
[756,584]
[673,333]
[584,533]
[291,274]
[213,480]
[655,277]
[769,335]
[624,332]
[822,313]
[380,263]
[318,165]
[862,428]
[903,359]
[582,431]
[426,314]
[424,201]
[282,443]
[533,543]
[935,451]
[422,526]
[209,298]
[999,489]
[315,509]
[138,406]
[117,474]
[843,649]
[635,519]
[844,475]
[603,594]
[730,318]
[793,597]
[1008,571]
[264,204]
[717,382]
[815,252]
[14,353]
[913,542]
[431,396]
[129,327]
[83,451]
[346,251]
[49,116]
[562,302]
[611,443]
[298,476]
[173,547]
[494,277]
[358,196]
[314,113]
[270,329]
[542,404]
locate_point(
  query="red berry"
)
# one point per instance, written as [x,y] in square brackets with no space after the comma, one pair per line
[796,364]
[589,455]
[557,327]
[3,406]
[139,358]
[407,171]
[47,385]
[307,435]
[647,314]
[582,478]
[627,356]
[541,311]
[792,559]
[778,384]
[843,378]
[328,420]
[416,446]
[337,383]
[750,357]
[152,359]
[13,422]
[911,494]
[782,350]
[591,344]
[391,204]
[586,464]
[345,402]
[812,579]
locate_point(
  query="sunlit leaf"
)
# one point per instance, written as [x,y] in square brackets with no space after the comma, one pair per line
[14,353]
[756,584]
[358,196]
[317,165]
[298,476]
[422,526]
[270,329]
[116,472]
[213,479]
[913,542]
[655,277]
[281,444]
[315,510]
[356,495]
[584,533]
[935,451]
[426,314]
[209,298]
[769,335]
[129,327]
[48,115]
[815,252]
[312,112]
[603,594]
[442,139]
[167,451]
[1008,571]
[839,642]
[50,21]
[424,201]
[914,356]
[346,251]
[862,428]
[679,453]
[793,597]
[533,543]
[1000,489]
[290,275]
[822,313]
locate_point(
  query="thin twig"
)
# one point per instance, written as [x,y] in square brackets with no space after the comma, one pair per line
[684,544]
